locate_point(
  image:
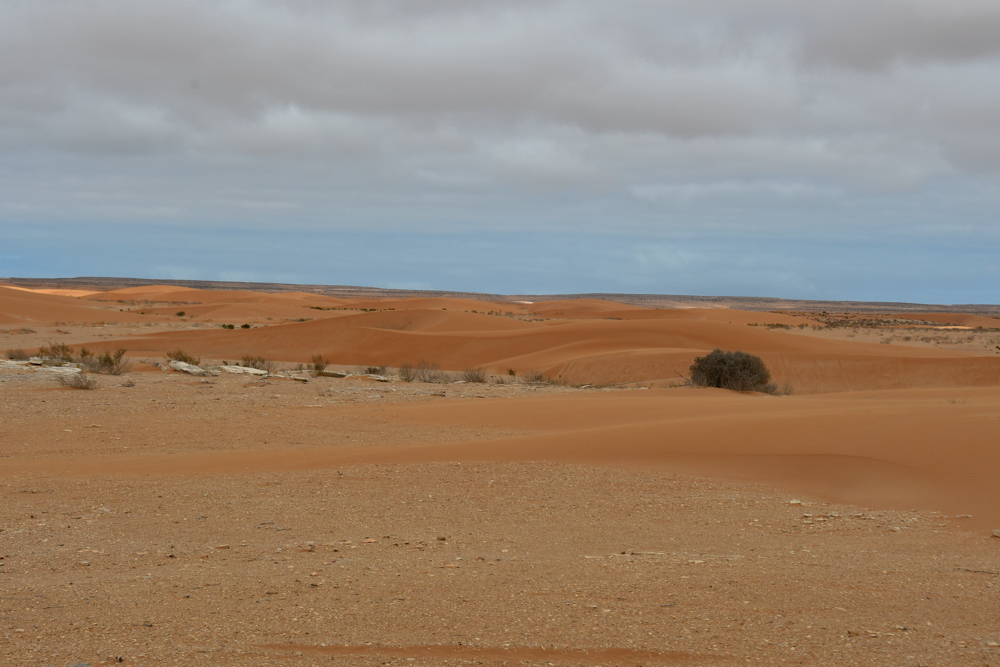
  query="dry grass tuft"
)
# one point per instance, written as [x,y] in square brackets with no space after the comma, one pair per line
[477,375]
[78,381]
[260,363]
[180,355]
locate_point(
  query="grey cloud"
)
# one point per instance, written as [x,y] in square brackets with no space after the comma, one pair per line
[439,111]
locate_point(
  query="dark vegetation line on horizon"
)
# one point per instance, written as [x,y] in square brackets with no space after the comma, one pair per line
[644,300]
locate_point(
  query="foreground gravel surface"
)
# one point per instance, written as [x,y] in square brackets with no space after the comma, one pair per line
[427,564]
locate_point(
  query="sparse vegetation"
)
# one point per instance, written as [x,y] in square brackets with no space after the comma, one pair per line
[511,372]
[180,313]
[259,363]
[430,372]
[78,381]
[228,326]
[57,352]
[477,375]
[374,370]
[244,326]
[738,371]
[180,355]
[319,364]
[18,355]
[109,363]
[534,377]
[423,372]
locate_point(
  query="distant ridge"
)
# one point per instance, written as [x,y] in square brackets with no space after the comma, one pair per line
[645,300]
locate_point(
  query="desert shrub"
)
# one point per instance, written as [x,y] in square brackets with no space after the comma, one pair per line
[56,351]
[259,363]
[78,381]
[180,313]
[228,326]
[737,371]
[251,361]
[534,377]
[429,372]
[109,363]
[180,355]
[477,375]
[407,373]
[319,364]
[511,372]
[18,355]
[374,370]
[244,326]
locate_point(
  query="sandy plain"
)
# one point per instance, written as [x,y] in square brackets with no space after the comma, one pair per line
[607,515]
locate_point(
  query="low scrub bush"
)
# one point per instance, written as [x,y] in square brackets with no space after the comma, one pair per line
[423,372]
[428,372]
[180,355]
[737,371]
[57,352]
[319,364]
[477,375]
[78,381]
[259,363]
[534,377]
[228,326]
[18,355]
[109,363]
[374,370]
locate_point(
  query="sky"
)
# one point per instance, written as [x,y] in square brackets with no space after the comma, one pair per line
[783,148]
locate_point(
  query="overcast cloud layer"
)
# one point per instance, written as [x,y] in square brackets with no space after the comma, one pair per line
[724,130]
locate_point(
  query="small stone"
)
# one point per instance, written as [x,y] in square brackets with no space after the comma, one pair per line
[996,533]
[795,501]
[222,546]
[184,367]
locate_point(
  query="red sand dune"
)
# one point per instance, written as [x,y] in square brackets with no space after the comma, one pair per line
[576,341]
[23,307]
[896,449]
[955,319]
[585,351]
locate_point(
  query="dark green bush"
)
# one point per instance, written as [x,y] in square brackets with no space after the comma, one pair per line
[737,371]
